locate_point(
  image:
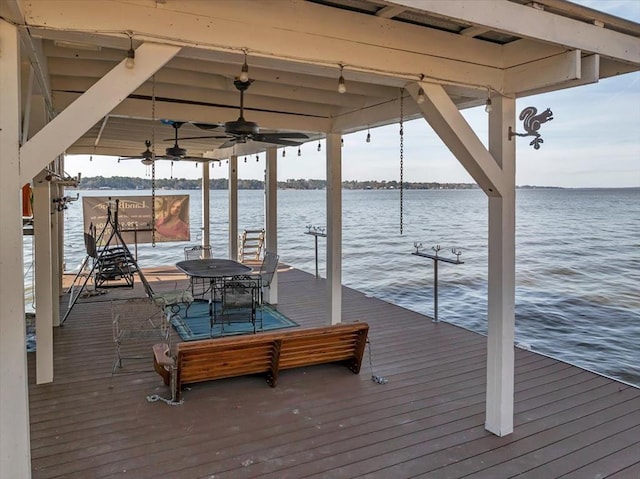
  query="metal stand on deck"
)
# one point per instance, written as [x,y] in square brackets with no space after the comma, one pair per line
[315,232]
[436,259]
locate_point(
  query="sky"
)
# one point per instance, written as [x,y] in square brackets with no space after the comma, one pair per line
[592,141]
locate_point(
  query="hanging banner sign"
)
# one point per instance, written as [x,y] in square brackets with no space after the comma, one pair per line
[133,215]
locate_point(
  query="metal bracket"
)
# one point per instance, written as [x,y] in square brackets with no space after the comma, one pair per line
[532,121]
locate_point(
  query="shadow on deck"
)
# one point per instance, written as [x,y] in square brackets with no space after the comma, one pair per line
[322,421]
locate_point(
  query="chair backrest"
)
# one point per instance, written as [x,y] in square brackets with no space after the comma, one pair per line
[137,316]
[240,292]
[197,252]
[90,245]
[268,268]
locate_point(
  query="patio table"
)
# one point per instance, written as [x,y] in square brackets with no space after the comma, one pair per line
[215,270]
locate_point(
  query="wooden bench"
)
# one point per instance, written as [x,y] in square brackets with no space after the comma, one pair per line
[263,353]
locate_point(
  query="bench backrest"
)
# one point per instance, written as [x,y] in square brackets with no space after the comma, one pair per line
[269,352]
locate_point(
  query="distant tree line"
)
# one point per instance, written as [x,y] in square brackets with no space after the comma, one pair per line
[130,183]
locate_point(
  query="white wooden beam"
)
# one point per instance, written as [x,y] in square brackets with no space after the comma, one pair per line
[278,31]
[57,255]
[452,128]
[206,208]
[334,227]
[521,20]
[42,211]
[390,11]
[233,207]
[501,275]
[15,447]
[271,217]
[94,104]
[589,73]
[543,73]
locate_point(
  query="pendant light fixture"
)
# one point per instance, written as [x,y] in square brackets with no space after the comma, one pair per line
[342,88]
[244,72]
[487,106]
[421,92]
[131,53]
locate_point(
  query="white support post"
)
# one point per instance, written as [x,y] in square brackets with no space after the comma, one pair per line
[15,449]
[233,207]
[206,208]
[42,211]
[57,257]
[271,217]
[501,275]
[334,227]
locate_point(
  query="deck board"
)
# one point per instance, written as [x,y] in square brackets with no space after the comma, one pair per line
[323,421]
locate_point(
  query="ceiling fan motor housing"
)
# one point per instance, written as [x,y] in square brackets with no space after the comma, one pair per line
[241,127]
[176,151]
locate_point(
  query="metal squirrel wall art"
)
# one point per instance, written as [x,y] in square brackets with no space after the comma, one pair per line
[532,121]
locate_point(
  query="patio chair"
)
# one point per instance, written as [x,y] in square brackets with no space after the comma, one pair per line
[201,285]
[241,301]
[137,322]
[267,271]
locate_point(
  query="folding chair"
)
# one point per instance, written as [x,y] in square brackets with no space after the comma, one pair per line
[198,252]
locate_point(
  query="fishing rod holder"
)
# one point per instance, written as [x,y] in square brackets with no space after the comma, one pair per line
[436,259]
[316,231]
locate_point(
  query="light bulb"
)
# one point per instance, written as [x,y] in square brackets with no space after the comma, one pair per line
[284,153]
[299,152]
[131,53]
[341,142]
[420,95]
[319,146]
[244,72]
[257,158]
[245,159]
[342,88]
[368,137]
[488,106]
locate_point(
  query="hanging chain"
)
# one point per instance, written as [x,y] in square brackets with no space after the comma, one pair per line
[401,159]
[374,377]
[153,162]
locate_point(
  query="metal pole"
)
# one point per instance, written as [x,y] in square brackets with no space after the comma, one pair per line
[435,290]
[316,238]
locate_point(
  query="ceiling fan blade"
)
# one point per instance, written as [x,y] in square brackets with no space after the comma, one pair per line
[228,144]
[284,134]
[207,126]
[205,137]
[197,159]
[276,140]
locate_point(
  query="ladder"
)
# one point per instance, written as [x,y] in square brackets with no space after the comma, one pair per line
[251,243]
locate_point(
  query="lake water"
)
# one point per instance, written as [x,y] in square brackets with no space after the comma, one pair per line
[577,274]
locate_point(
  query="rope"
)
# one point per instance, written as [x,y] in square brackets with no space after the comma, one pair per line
[153,163]
[376,379]
[156,397]
[401,160]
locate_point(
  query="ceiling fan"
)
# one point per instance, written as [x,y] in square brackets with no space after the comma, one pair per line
[173,153]
[241,130]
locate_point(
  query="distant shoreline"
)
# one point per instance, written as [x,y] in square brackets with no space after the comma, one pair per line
[133,183]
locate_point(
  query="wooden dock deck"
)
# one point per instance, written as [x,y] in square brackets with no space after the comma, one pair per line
[427,421]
